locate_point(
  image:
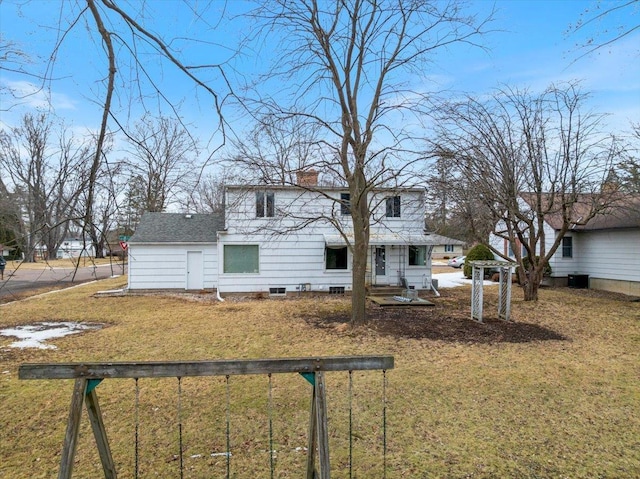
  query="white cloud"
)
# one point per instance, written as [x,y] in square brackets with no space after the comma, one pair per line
[30,95]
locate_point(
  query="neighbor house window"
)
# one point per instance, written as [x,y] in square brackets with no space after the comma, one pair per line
[241,258]
[265,204]
[336,258]
[567,247]
[393,207]
[449,248]
[345,203]
[417,255]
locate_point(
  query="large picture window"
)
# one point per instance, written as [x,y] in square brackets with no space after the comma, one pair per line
[393,207]
[417,255]
[241,258]
[265,204]
[336,258]
[567,247]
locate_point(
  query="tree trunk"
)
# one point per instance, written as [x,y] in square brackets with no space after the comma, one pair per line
[360,217]
[359,294]
[531,285]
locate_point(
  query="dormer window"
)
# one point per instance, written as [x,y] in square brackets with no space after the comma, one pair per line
[265,204]
[393,207]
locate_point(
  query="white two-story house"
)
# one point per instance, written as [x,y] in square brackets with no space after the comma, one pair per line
[283,239]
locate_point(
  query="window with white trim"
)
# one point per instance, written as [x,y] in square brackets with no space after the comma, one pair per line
[567,247]
[393,207]
[265,204]
[417,255]
[449,248]
[241,258]
[345,204]
[336,257]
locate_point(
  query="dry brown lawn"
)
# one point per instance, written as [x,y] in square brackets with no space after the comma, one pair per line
[472,402]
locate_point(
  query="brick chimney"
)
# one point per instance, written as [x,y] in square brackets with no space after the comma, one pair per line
[307,178]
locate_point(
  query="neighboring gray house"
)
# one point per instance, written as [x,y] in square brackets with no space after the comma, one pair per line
[265,243]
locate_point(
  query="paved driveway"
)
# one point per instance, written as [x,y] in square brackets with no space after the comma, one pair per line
[17,283]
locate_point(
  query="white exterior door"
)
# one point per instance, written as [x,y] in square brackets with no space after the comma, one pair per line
[381,266]
[195,270]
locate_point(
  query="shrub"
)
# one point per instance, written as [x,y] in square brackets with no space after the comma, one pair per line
[547,267]
[479,252]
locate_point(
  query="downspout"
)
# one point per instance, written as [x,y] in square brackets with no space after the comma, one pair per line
[431,286]
[218,297]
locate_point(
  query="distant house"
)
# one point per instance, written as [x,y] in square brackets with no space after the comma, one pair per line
[5,250]
[283,239]
[448,249]
[605,251]
[74,248]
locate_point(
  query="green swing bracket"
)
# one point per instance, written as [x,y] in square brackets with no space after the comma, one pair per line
[311,377]
[92,384]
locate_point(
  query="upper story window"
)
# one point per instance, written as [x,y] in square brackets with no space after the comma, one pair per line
[393,207]
[265,204]
[567,247]
[345,203]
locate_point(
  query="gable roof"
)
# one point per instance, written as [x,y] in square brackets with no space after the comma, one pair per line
[622,212]
[177,228]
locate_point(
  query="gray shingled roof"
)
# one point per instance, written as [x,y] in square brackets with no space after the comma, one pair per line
[177,228]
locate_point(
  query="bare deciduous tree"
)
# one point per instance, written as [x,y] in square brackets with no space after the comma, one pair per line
[48,176]
[161,160]
[346,67]
[529,158]
[276,149]
[129,38]
[208,196]
[627,22]
[629,167]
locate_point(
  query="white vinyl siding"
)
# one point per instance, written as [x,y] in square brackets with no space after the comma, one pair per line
[298,259]
[613,254]
[290,257]
[164,266]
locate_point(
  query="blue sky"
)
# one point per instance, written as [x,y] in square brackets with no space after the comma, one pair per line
[530,47]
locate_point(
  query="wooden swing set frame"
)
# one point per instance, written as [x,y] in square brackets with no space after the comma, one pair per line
[89,375]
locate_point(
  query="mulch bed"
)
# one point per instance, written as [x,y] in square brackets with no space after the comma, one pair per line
[448,320]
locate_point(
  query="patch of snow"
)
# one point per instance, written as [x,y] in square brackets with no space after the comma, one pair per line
[453,280]
[34,335]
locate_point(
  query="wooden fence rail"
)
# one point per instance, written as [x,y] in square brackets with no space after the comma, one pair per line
[88,375]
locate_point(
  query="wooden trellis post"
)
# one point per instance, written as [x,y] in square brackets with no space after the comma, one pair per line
[88,375]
